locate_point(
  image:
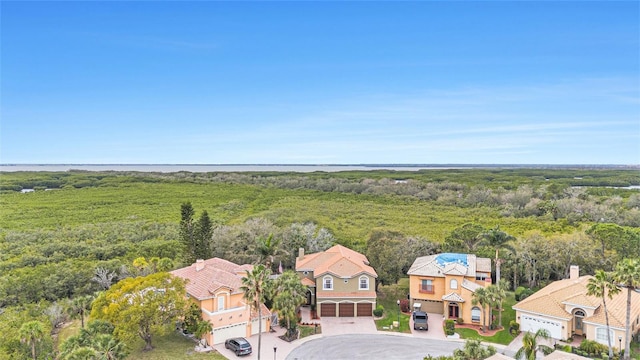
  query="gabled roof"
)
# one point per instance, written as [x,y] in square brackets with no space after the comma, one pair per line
[337,260]
[208,276]
[453,297]
[470,285]
[443,264]
[552,299]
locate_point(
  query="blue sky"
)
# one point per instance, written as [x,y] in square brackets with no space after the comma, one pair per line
[534,82]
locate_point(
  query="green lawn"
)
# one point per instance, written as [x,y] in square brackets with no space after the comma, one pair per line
[308,330]
[170,347]
[501,337]
[388,297]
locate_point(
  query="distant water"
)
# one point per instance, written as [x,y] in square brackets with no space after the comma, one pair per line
[301,168]
[218,168]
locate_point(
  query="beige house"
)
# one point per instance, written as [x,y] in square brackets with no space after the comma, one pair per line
[214,285]
[341,282]
[445,283]
[564,309]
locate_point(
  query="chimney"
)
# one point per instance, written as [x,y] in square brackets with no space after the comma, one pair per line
[199,264]
[574,272]
[301,253]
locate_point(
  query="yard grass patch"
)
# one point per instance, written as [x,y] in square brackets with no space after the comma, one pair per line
[388,297]
[501,337]
[170,347]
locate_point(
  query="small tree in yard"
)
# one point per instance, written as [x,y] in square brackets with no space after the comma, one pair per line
[253,286]
[289,295]
[142,306]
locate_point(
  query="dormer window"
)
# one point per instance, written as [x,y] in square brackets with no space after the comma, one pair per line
[327,283]
[220,302]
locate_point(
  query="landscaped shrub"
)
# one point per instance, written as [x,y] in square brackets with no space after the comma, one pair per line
[592,347]
[460,320]
[514,328]
[378,311]
[449,327]
[519,291]
[404,305]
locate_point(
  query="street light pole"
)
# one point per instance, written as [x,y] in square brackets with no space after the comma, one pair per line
[620,342]
[398,302]
[275,348]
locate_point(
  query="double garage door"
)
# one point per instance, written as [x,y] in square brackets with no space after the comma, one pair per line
[223,333]
[533,323]
[345,309]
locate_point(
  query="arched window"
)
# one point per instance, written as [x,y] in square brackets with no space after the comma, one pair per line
[364,283]
[453,284]
[327,283]
[475,314]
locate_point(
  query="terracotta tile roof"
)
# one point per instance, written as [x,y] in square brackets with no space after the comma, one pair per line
[307,282]
[212,275]
[265,312]
[449,263]
[355,294]
[561,355]
[551,300]
[337,260]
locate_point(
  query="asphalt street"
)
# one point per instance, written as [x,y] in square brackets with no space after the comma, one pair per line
[372,346]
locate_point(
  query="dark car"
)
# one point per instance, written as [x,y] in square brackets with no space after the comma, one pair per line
[240,346]
[420,320]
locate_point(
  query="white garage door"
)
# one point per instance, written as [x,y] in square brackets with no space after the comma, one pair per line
[533,323]
[223,333]
[254,326]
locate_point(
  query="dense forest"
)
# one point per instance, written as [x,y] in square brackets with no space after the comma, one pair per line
[78,232]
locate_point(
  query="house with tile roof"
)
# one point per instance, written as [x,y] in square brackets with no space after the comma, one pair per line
[214,285]
[340,281]
[564,309]
[445,283]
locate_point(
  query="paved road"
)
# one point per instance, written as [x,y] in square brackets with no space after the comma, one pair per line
[372,346]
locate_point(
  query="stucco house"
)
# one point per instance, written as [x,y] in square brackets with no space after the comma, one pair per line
[445,283]
[564,309]
[341,282]
[214,285]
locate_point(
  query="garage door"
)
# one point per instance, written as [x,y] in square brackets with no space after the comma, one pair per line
[346,310]
[365,309]
[223,333]
[255,327]
[327,310]
[436,307]
[533,323]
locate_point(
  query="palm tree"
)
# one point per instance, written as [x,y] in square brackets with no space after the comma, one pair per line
[267,249]
[253,286]
[497,239]
[627,275]
[79,306]
[481,296]
[474,350]
[289,295]
[497,294]
[108,347]
[32,333]
[530,345]
[602,286]
[202,327]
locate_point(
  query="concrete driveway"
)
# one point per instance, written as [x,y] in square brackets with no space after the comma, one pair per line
[436,331]
[347,325]
[269,340]
[372,346]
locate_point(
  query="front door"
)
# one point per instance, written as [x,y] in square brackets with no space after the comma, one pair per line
[454,311]
[578,315]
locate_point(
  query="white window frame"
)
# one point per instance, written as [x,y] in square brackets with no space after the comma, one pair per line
[479,312]
[601,335]
[220,302]
[325,283]
[453,284]
[365,282]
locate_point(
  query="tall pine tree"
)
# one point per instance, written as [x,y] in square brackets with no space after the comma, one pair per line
[204,231]
[187,233]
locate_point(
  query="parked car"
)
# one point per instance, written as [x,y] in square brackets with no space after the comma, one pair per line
[420,320]
[240,346]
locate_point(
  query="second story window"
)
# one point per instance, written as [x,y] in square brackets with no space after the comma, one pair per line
[364,283]
[327,283]
[426,286]
[220,303]
[453,284]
